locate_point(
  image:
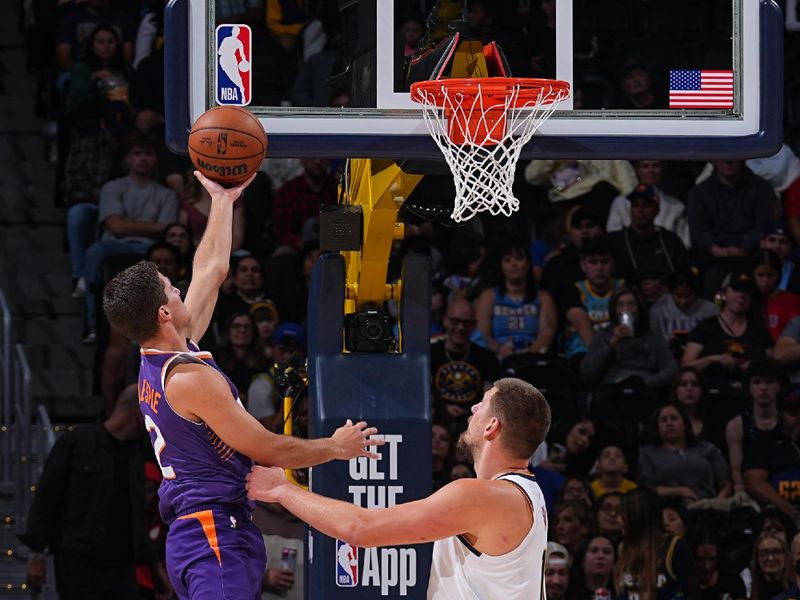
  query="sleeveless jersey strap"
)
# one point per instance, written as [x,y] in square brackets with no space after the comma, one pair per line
[181,359]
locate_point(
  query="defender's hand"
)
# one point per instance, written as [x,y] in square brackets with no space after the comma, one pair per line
[264,483]
[218,192]
[352,440]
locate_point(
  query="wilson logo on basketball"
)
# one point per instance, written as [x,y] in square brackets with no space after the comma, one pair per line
[224,171]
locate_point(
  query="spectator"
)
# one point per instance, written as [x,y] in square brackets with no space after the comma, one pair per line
[239,11]
[770,567]
[134,211]
[515,317]
[673,518]
[266,319]
[778,306]
[542,41]
[237,355]
[776,238]
[638,90]
[179,236]
[627,353]
[573,525]
[281,529]
[611,470]
[651,564]
[289,345]
[575,489]
[461,470]
[715,582]
[195,207]
[787,351]
[412,29]
[99,114]
[687,396]
[286,20]
[727,214]
[794,559]
[571,448]
[564,267]
[675,464]
[299,200]
[593,183]
[74,30]
[609,516]
[774,521]
[584,304]
[460,369]
[671,211]
[722,347]
[598,564]
[782,172]
[677,313]
[759,424]
[557,564]
[288,278]
[442,452]
[771,468]
[89,507]
[644,252]
[247,282]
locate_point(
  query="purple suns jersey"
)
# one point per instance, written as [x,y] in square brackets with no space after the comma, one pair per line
[199,469]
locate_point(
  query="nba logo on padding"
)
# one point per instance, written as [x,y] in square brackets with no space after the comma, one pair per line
[234,65]
[346,564]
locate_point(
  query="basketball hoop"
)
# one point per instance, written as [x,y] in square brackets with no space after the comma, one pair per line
[481,125]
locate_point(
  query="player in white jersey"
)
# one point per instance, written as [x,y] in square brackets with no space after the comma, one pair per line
[490,532]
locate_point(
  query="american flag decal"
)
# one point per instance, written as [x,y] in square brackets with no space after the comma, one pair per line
[701,89]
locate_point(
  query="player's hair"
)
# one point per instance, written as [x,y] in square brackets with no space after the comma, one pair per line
[131,301]
[523,413]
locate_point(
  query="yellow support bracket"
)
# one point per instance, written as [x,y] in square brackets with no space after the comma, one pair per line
[379,187]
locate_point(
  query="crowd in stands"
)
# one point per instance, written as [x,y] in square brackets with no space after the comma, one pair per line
[657,305]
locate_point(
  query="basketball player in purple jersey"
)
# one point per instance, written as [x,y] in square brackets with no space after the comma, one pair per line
[204,440]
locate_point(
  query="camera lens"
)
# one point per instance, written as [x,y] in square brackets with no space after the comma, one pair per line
[373,330]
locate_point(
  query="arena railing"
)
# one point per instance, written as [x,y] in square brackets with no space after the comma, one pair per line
[6,377]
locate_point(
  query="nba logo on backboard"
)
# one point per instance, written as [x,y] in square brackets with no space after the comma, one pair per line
[234,65]
[346,564]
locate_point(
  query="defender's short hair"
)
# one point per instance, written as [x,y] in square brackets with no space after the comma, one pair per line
[524,415]
[131,301]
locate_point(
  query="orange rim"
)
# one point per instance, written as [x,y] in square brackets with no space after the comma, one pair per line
[492,88]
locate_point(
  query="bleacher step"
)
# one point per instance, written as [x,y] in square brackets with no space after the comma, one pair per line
[21,214]
[41,330]
[31,239]
[51,356]
[61,382]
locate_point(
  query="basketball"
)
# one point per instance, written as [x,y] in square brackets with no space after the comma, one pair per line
[227,144]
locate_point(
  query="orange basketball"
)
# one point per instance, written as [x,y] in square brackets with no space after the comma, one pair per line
[227,144]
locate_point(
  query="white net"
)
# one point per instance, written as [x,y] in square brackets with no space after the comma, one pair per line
[483,165]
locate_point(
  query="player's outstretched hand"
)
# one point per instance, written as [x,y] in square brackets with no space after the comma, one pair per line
[264,483]
[217,191]
[353,440]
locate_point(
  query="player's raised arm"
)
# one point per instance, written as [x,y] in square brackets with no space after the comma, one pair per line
[201,394]
[211,261]
[465,506]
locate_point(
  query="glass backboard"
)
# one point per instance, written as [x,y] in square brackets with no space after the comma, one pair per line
[660,79]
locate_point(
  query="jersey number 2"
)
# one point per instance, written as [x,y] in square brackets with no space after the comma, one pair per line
[158,446]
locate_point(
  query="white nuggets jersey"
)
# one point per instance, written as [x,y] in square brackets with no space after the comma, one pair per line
[459,572]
